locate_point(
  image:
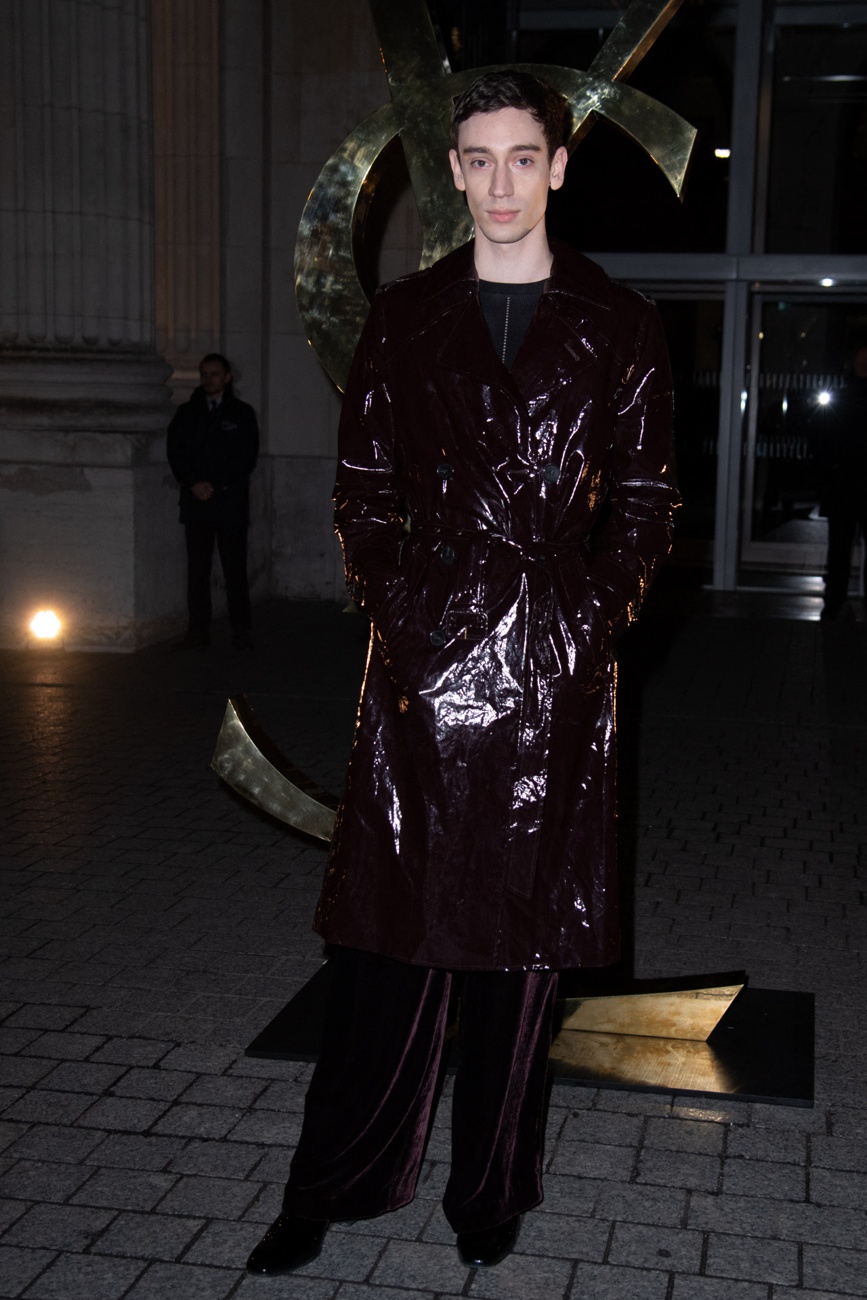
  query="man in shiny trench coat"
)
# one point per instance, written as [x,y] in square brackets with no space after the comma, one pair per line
[514,405]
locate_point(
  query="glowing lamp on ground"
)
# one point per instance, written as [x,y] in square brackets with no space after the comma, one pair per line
[824,398]
[45,625]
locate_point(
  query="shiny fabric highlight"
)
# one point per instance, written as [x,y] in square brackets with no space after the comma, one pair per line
[477,829]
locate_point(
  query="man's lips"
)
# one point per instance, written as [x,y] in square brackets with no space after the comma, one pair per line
[507,215]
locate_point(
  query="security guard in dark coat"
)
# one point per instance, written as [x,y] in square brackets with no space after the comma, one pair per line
[213,442]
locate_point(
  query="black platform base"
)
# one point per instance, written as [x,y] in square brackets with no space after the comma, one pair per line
[761,1050]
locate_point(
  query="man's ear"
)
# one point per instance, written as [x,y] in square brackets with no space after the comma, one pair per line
[558,168]
[457,174]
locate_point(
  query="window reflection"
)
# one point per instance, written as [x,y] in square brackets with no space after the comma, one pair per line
[817,197]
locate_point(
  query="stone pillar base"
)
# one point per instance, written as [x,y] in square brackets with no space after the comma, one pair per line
[88,505]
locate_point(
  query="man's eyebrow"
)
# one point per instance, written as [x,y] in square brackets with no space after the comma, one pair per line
[515,148]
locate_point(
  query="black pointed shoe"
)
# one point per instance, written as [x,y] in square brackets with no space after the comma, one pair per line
[484,1249]
[289,1243]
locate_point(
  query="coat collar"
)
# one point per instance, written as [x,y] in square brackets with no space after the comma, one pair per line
[572,276]
[577,288]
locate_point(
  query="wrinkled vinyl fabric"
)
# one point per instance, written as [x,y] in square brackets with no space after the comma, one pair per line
[477,829]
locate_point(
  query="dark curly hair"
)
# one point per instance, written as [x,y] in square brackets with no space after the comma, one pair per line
[513,89]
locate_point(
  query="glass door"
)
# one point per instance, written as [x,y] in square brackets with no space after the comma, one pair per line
[800,359]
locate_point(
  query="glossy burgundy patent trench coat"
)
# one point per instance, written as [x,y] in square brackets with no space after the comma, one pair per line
[477,829]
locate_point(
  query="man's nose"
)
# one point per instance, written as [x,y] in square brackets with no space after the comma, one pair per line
[501,181]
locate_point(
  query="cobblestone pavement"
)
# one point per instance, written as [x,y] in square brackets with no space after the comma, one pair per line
[153,923]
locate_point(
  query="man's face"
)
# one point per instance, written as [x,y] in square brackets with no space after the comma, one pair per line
[213,377]
[502,166]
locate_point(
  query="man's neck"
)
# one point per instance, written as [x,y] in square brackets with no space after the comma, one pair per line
[524,262]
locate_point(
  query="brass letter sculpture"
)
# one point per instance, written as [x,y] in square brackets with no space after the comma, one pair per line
[333,306]
[330,298]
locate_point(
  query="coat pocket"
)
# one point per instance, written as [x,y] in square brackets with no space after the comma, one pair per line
[584,617]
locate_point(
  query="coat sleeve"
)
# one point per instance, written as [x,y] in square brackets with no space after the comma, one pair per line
[642,493]
[368,507]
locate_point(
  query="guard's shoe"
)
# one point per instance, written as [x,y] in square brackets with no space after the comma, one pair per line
[289,1243]
[484,1249]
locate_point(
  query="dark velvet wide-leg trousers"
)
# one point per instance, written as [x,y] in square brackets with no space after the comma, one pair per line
[369,1105]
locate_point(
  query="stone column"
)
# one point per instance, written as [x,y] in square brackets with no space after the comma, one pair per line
[86,514]
[186,72]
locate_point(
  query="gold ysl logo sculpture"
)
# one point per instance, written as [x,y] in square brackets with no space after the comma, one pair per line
[330,298]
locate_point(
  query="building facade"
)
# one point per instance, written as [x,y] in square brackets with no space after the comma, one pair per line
[155,158]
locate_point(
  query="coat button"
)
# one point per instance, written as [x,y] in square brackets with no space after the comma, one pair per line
[437,636]
[447,555]
[551,473]
[445,470]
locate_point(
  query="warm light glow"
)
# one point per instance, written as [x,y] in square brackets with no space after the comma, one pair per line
[824,398]
[722,153]
[45,625]
[827,282]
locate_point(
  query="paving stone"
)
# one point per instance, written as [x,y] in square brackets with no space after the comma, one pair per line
[221,1160]
[608,1282]
[125,1114]
[66,1047]
[18,1267]
[200,1059]
[354,1291]
[295,1286]
[590,1160]
[78,1076]
[200,1121]
[57,1227]
[679,1169]
[71,1276]
[39,1106]
[558,1235]
[147,1236]
[170,1281]
[135,1151]
[752,1216]
[272,1168]
[603,1127]
[267,1127]
[34,1180]
[25,1070]
[753,1259]
[210,1197]
[124,1189]
[833,1269]
[16,1040]
[50,1142]
[523,1277]
[838,1153]
[237,1092]
[418,1265]
[763,1178]
[708,1288]
[767,1144]
[641,1245]
[142,1052]
[44,1017]
[634,1203]
[224,1243]
[700,1138]
[567,1194]
[159,1085]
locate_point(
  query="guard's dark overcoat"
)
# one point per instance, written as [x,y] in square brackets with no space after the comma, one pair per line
[477,829]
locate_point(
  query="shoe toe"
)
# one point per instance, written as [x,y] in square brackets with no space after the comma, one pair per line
[489,1247]
[288,1244]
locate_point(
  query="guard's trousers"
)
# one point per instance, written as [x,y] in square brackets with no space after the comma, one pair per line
[369,1105]
[231,540]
